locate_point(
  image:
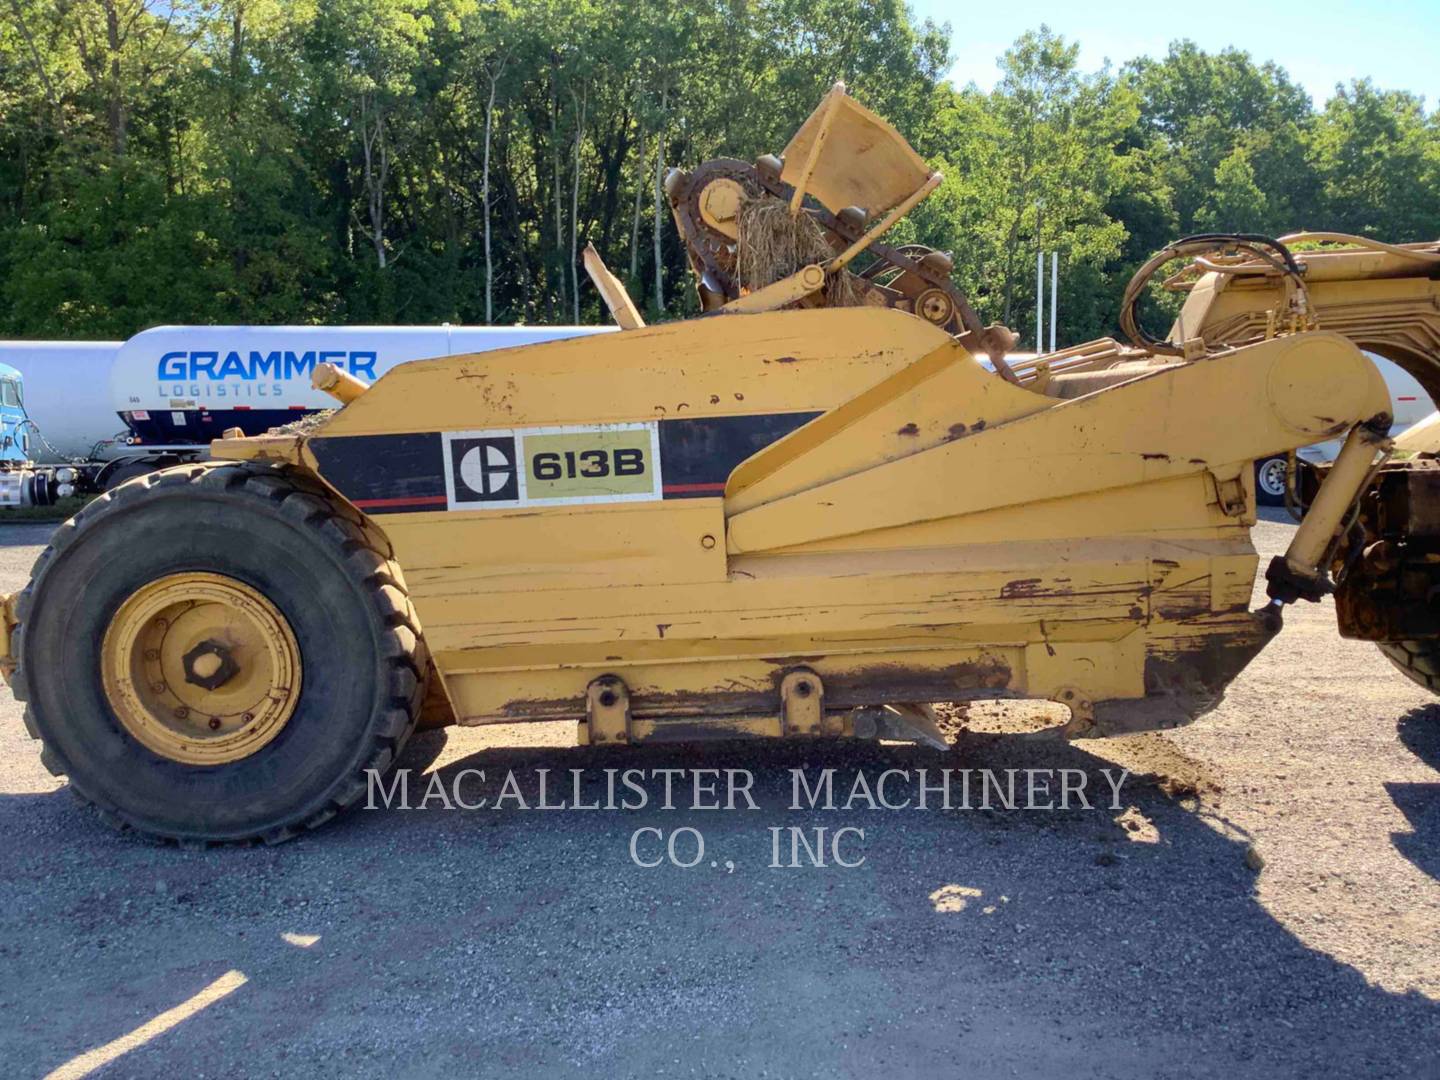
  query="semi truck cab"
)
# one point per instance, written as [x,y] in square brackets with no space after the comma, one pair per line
[14,425]
[22,483]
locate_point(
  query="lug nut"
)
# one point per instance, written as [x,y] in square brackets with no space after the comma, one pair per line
[158,687]
[152,654]
[214,723]
[181,713]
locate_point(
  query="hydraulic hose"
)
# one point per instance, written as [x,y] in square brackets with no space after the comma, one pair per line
[1271,252]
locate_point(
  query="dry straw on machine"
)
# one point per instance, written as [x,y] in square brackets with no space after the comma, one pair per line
[774,243]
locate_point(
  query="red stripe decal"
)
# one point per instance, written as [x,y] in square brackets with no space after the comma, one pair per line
[242,408]
[681,489]
[1404,399]
[298,407]
[419,500]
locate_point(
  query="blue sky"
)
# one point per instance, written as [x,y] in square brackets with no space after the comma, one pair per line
[1319,42]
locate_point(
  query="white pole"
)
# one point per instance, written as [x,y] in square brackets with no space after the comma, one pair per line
[1054,292]
[1040,301]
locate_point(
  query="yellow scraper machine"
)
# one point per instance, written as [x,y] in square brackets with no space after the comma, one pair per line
[810,512]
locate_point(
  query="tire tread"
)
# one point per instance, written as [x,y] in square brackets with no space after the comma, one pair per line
[363,553]
[1418,661]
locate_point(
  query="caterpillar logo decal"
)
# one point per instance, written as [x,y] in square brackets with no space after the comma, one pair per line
[552,466]
[482,470]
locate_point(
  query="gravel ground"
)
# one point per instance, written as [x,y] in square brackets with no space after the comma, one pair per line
[1097,943]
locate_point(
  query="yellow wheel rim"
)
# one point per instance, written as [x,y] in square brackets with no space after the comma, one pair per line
[201,668]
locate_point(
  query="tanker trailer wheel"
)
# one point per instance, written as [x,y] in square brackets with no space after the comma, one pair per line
[1270,481]
[1419,661]
[218,652]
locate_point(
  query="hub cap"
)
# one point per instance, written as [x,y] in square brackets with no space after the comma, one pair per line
[1272,477]
[200,668]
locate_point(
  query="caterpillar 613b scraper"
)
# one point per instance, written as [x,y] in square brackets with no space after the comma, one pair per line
[814,511]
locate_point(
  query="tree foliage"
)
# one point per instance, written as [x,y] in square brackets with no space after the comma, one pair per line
[353,161]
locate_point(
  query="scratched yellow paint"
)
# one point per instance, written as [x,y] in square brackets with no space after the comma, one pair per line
[936,530]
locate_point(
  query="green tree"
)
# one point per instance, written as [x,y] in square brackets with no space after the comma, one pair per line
[1235,202]
[445,160]
[1376,156]
[1197,109]
[1036,165]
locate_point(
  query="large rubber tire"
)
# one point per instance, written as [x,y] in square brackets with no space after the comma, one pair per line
[124,473]
[1419,661]
[327,571]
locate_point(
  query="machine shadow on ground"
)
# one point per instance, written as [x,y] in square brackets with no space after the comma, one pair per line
[520,940]
[1419,730]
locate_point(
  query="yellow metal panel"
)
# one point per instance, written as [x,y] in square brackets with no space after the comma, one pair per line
[1106,669]
[1036,573]
[587,547]
[941,397]
[1175,509]
[1264,399]
[777,294]
[849,611]
[280,449]
[622,308]
[730,685]
[1421,438]
[862,160]
[847,592]
[1357,294]
[778,361]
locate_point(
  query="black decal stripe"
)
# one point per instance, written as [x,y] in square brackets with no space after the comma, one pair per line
[698,454]
[385,474]
[405,474]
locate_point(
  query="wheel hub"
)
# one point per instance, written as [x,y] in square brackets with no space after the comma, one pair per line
[210,665]
[201,668]
[1272,476]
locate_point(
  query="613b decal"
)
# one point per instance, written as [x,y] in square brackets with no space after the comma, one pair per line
[549,466]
